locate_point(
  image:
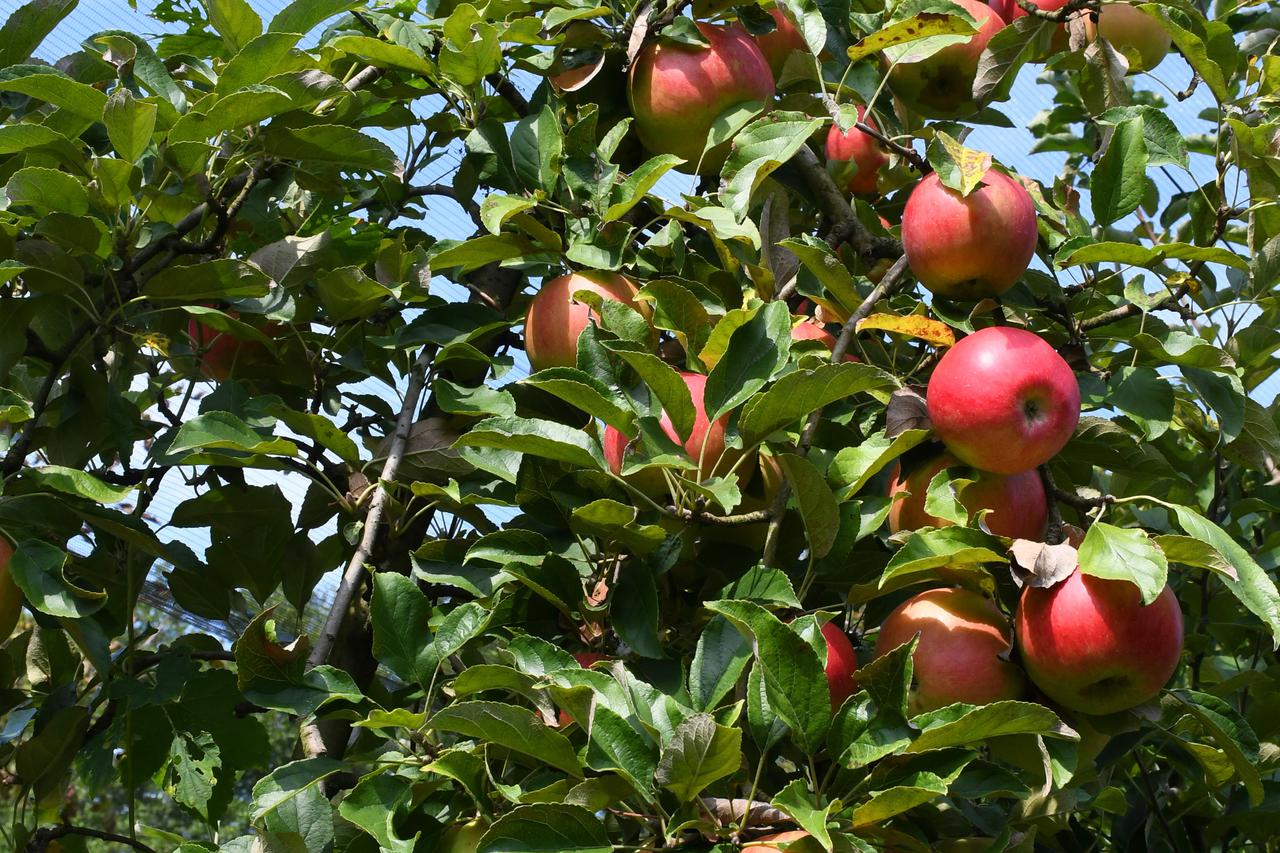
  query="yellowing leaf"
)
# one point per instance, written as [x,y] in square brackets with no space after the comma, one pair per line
[914,326]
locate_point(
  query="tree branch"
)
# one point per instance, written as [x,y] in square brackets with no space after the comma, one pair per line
[509,93]
[834,205]
[698,517]
[1058,15]
[41,837]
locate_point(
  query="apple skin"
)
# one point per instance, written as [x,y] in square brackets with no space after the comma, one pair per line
[811,330]
[969,247]
[1140,37]
[777,46]
[856,155]
[221,353]
[464,838]
[555,320]
[1017,502]
[842,664]
[1002,400]
[941,86]
[615,443]
[962,638]
[677,92]
[10,595]
[773,843]
[1091,645]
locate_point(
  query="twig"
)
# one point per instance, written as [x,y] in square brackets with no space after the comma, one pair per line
[697,517]
[893,281]
[1053,531]
[41,837]
[1191,87]
[354,574]
[1124,312]
[834,205]
[1058,15]
[919,163]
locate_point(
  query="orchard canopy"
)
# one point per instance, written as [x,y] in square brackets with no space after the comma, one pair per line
[550,426]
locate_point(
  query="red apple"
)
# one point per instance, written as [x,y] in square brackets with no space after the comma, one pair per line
[1002,400]
[778,45]
[1091,645]
[1137,35]
[555,319]
[812,330]
[963,649]
[1010,10]
[941,85]
[677,92]
[773,843]
[842,663]
[855,157]
[1017,501]
[221,352]
[10,595]
[704,446]
[969,247]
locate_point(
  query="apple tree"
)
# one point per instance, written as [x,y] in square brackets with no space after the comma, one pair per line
[842,425]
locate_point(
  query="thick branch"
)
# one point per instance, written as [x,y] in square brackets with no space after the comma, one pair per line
[834,205]
[41,837]
[504,87]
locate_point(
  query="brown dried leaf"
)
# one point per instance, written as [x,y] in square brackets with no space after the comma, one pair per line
[907,410]
[1039,565]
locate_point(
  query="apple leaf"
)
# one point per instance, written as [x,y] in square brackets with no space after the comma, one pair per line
[963,725]
[801,805]
[935,30]
[942,500]
[959,168]
[1232,734]
[721,656]
[1119,181]
[803,391]
[912,326]
[514,728]
[952,547]
[546,828]
[1125,553]
[700,752]
[854,466]
[818,507]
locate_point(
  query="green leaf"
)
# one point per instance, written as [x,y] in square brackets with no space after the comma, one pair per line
[48,191]
[701,752]
[634,610]
[629,192]
[302,16]
[511,727]
[546,828]
[383,54]
[795,682]
[935,30]
[763,585]
[615,745]
[1144,256]
[225,431]
[1209,47]
[478,251]
[756,351]
[1253,586]
[1225,396]
[536,437]
[1232,734]
[497,209]
[804,391]
[1189,551]
[1119,181]
[853,467]
[818,507]
[942,500]
[27,27]
[759,149]
[537,146]
[288,781]
[948,547]
[235,21]
[663,380]
[583,391]
[830,271]
[48,84]
[130,124]
[802,807]
[401,618]
[374,804]
[263,57]
[330,143]
[196,761]
[72,481]
[1165,143]
[224,278]
[37,568]
[1024,40]
[1143,395]
[721,656]
[966,725]
[1125,553]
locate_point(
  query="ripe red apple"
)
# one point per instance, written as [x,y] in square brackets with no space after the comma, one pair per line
[585,660]
[811,330]
[777,46]
[220,352]
[773,843]
[555,319]
[1017,501]
[961,656]
[855,158]
[705,444]
[941,85]
[842,663]
[1137,35]
[677,92]
[1002,400]
[10,595]
[464,838]
[969,247]
[1091,645]
[1010,10]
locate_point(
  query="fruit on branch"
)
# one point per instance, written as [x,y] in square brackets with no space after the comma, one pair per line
[842,664]
[1002,400]
[962,655]
[855,158]
[705,445]
[464,838]
[941,85]
[10,595]
[969,247]
[773,843]
[778,45]
[1011,10]
[555,319]
[1137,35]
[585,660]
[677,91]
[221,353]
[1092,646]
[812,330]
[1017,501]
